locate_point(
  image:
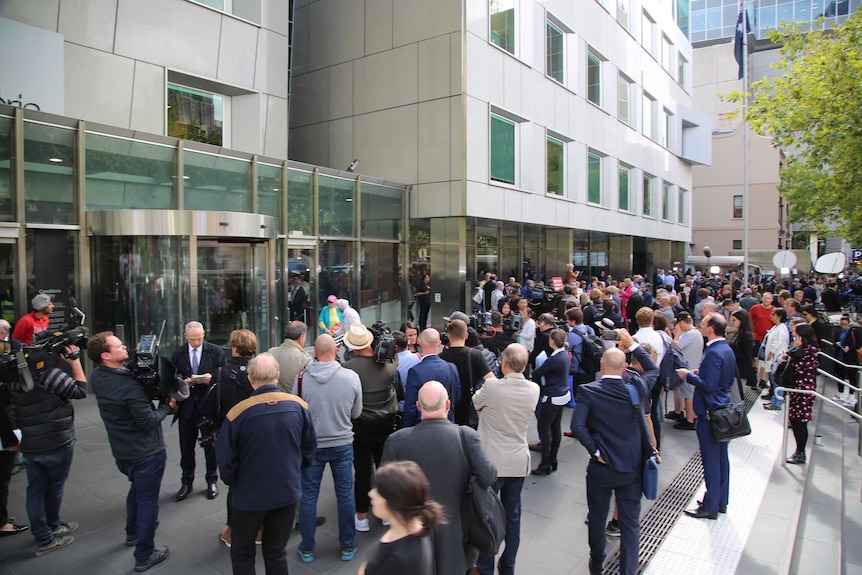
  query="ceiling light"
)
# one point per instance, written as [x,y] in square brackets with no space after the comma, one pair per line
[55,160]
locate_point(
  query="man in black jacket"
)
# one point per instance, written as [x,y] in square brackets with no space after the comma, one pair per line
[47,422]
[196,363]
[134,428]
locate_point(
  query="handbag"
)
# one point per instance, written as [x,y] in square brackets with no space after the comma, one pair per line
[649,482]
[731,421]
[786,374]
[483,517]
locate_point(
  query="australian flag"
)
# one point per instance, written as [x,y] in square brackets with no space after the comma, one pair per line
[741,31]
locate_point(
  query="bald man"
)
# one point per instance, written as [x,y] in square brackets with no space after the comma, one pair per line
[435,444]
[609,427]
[431,368]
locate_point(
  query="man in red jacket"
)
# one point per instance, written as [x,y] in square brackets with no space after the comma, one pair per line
[761,320]
[35,321]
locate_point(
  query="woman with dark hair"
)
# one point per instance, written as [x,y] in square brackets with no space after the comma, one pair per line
[555,396]
[401,498]
[803,358]
[743,347]
[412,332]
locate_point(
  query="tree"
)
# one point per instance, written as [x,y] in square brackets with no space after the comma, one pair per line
[813,111]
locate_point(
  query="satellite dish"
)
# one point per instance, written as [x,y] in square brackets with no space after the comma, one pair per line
[784,259]
[831,263]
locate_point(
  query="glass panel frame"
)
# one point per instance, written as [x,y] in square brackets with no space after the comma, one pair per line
[556,167]
[212,181]
[197,115]
[502,24]
[300,203]
[594,79]
[50,157]
[555,52]
[624,188]
[337,210]
[594,178]
[269,192]
[503,139]
[382,210]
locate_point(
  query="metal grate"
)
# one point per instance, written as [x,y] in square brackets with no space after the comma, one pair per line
[668,506]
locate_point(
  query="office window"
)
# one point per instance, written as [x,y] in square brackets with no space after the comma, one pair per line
[502,149]
[666,54]
[556,167]
[667,128]
[623,13]
[198,115]
[681,64]
[648,33]
[649,112]
[594,178]
[665,201]
[681,15]
[737,244]
[624,100]
[503,24]
[737,206]
[554,65]
[647,195]
[624,191]
[682,208]
[594,79]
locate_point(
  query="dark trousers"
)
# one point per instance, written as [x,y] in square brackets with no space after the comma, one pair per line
[550,433]
[626,487]
[368,441]
[655,397]
[716,466]
[424,308]
[188,431]
[7,463]
[142,501]
[800,434]
[509,489]
[277,525]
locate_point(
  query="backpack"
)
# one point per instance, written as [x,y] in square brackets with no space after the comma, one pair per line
[672,360]
[592,351]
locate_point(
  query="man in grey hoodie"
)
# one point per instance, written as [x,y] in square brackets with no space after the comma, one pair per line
[334,397]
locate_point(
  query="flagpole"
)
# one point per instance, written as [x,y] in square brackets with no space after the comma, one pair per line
[745,210]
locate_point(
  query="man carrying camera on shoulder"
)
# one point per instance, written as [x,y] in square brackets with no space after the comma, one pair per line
[134,427]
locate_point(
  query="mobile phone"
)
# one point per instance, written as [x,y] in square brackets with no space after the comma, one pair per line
[610,335]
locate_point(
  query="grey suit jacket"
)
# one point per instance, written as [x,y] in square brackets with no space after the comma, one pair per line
[435,445]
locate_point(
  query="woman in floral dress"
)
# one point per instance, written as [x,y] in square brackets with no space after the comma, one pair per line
[803,358]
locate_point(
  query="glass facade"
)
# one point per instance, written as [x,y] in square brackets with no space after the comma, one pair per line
[269,190]
[216,182]
[337,208]
[7,145]
[300,201]
[49,185]
[502,150]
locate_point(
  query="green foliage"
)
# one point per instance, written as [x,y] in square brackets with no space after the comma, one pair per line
[813,112]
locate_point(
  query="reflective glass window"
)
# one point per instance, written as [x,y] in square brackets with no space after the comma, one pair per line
[336,270]
[7,146]
[196,115]
[380,287]
[300,204]
[382,212]
[624,192]
[503,24]
[594,79]
[125,174]
[624,103]
[665,202]
[269,190]
[554,64]
[647,196]
[216,182]
[556,167]
[594,178]
[337,210]
[502,150]
[49,183]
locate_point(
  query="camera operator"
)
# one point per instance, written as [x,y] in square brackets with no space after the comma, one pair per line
[496,339]
[47,422]
[36,321]
[195,363]
[134,428]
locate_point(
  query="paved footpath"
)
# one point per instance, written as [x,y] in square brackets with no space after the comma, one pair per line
[553,538]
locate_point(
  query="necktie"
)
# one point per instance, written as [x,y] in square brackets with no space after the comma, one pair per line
[195,363]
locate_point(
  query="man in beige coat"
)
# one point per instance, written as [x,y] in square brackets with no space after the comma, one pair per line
[505,408]
[290,355]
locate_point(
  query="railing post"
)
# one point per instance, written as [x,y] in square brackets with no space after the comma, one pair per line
[858,407]
[785,416]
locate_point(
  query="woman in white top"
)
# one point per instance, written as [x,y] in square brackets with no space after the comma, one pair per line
[775,346]
[527,336]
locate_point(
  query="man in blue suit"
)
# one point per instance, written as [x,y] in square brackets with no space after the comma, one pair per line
[607,425]
[431,368]
[711,390]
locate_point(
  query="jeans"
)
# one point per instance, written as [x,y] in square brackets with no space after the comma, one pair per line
[509,489]
[142,502]
[549,432]
[46,476]
[777,396]
[277,525]
[340,461]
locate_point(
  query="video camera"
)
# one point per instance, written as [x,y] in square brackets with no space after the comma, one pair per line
[512,324]
[479,320]
[383,343]
[149,369]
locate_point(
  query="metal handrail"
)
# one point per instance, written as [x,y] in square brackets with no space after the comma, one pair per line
[786,390]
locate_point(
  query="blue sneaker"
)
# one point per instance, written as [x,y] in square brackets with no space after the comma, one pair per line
[347,554]
[304,557]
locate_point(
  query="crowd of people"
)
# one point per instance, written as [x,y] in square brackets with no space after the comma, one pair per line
[464,394]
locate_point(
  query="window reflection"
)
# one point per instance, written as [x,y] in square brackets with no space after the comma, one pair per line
[336,270]
[269,190]
[216,182]
[336,207]
[7,207]
[382,212]
[299,203]
[49,185]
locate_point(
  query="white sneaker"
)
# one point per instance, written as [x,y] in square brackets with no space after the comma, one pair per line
[361,524]
[385,523]
[850,402]
[838,397]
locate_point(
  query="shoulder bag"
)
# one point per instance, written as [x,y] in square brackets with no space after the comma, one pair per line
[731,421]
[483,517]
[649,482]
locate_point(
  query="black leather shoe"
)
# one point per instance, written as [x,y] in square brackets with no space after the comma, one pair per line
[212,491]
[541,470]
[721,508]
[685,424]
[184,492]
[535,446]
[701,513]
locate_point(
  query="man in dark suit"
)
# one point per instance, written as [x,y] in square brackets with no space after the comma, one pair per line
[435,445]
[431,368]
[712,383]
[196,363]
[606,424]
